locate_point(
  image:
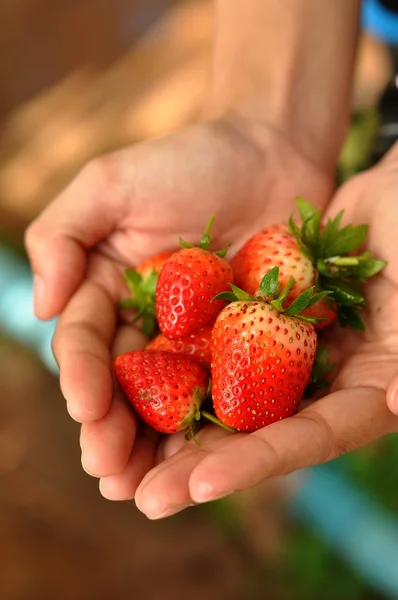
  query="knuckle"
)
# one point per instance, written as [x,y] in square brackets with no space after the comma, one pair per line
[322,436]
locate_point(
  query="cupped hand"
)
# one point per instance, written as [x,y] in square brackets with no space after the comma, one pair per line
[354,413]
[122,208]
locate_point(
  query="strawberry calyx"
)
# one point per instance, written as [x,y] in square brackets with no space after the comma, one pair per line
[269,291]
[331,249]
[320,369]
[142,299]
[193,422]
[205,241]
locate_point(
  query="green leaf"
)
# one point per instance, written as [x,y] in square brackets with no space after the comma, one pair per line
[310,233]
[278,302]
[184,244]
[228,296]
[318,297]
[269,286]
[345,240]
[128,303]
[329,232]
[205,239]
[349,317]
[240,294]
[133,280]
[366,268]
[301,303]
[344,293]
[148,324]
[306,210]
[150,283]
[222,253]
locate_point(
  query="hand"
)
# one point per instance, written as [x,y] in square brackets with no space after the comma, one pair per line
[353,414]
[122,208]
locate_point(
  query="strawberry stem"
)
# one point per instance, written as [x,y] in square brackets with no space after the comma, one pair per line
[205,239]
[214,420]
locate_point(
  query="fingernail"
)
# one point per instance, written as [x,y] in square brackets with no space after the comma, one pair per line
[171,510]
[38,293]
[205,492]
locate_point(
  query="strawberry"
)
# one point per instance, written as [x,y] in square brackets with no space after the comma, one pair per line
[165,389]
[141,283]
[187,285]
[314,255]
[262,355]
[197,344]
[154,263]
[272,247]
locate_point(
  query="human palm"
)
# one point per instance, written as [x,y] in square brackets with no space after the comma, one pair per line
[352,414]
[121,209]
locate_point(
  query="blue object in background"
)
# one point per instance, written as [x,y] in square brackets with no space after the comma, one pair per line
[16,308]
[351,522]
[380,22]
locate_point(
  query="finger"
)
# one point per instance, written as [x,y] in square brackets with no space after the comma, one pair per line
[106,444]
[81,346]
[123,485]
[344,421]
[392,395]
[57,240]
[164,491]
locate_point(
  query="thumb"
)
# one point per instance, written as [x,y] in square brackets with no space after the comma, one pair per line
[58,240]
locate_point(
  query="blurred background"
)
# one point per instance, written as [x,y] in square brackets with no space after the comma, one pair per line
[79,78]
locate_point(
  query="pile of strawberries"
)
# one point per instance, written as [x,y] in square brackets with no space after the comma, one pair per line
[238,339]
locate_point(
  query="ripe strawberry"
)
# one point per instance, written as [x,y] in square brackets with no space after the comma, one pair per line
[314,255]
[262,356]
[187,285]
[197,344]
[165,389]
[142,283]
[272,247]
[154,263]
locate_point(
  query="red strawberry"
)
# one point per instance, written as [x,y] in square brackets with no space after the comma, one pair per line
[165,389]
[197,344]
[154,263]
[187,285]
[142,286]
[272,247]
[314,255]
[262,358]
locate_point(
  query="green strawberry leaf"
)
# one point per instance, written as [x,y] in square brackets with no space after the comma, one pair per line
[279,301]
[150,282]
[128,303]
[240,294]
[310,233]
[329,232]
[301,303]
[349,317]
[344,293]
[320,369]
[345,240]
[306,210]
[269,286]
[184,244]
[133,279]
[317,297]
[228,296]
[205,239]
